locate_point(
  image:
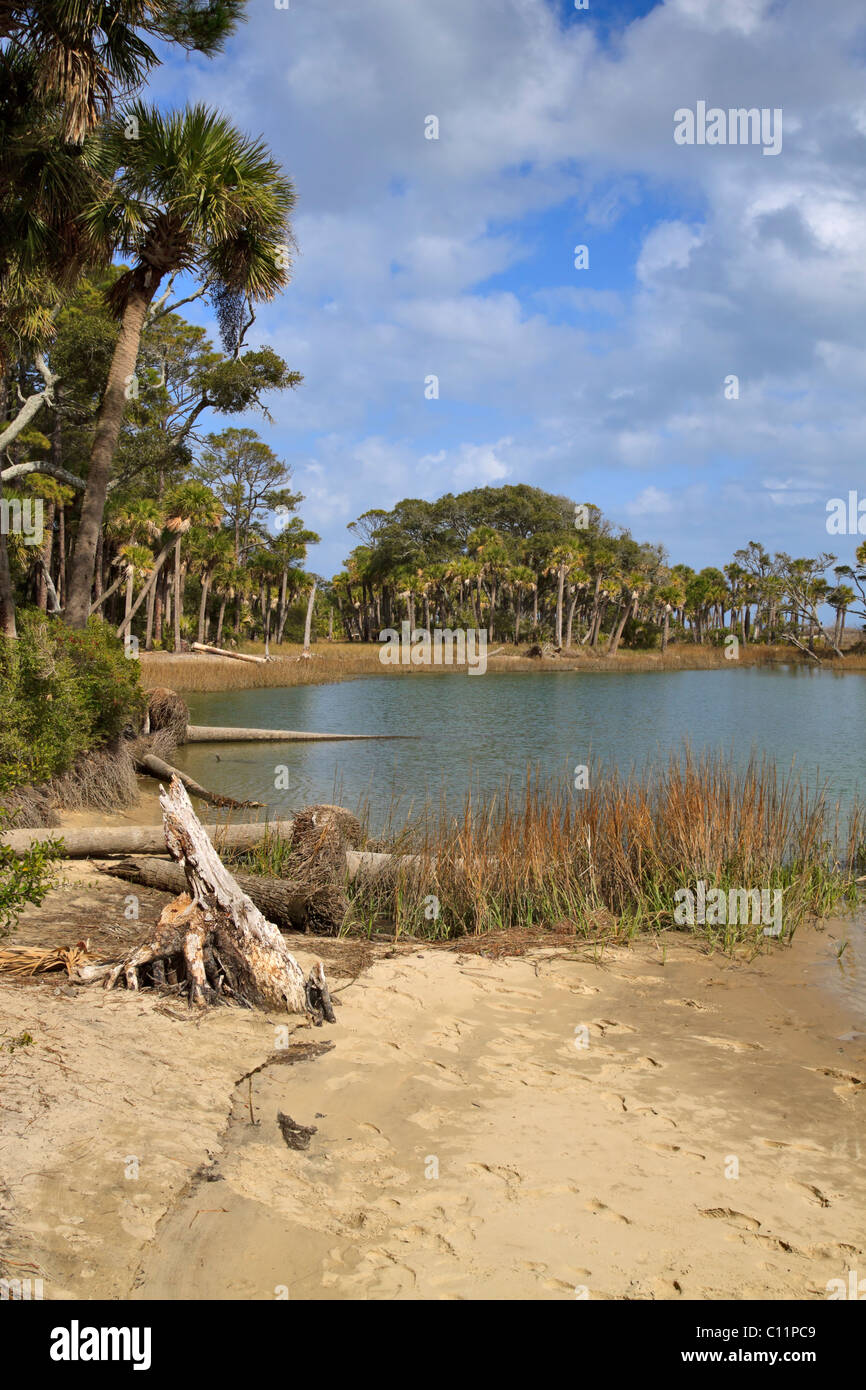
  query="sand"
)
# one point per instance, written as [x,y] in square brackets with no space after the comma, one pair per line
[705,1143]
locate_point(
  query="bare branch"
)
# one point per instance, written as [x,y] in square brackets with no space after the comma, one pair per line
[51,470]
[31,405]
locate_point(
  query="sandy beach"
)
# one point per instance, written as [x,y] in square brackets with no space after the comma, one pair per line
[641,1123]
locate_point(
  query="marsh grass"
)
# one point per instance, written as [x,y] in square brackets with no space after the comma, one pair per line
[605,863]
[337,661]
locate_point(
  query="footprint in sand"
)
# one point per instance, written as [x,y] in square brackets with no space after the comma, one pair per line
[611,1025]
[688,1004]
[509,1176]
[811,1193]
[850,1084]
[676,1149]
[729,1044]
[732,1218]
[787,1144]
[600,1209]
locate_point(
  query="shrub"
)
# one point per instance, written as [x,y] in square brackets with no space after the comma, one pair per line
[62,692]
[24,879]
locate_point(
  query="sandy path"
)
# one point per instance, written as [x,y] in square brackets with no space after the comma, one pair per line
[560,1169]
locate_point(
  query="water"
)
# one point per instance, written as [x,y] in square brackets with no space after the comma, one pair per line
[477,731]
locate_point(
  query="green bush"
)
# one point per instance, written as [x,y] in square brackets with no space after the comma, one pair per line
[62,693]
[25,878]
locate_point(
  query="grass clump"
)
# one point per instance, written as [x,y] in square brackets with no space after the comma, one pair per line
[607,862]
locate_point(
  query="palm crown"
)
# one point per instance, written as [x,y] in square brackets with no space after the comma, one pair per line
[193,193]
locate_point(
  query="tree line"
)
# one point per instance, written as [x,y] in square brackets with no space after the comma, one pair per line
[114,215]
[528,565]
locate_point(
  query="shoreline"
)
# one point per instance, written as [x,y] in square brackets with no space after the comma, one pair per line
[197,673]
[601,1168]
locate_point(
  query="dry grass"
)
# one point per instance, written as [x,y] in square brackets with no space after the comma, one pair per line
[101,780]
[605,863]
[22,961]
[336,661]
[167,713]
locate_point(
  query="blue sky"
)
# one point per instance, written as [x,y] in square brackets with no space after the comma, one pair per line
[455,257]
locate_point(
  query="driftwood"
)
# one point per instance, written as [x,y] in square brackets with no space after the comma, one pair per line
[280,901]
[216,936]
[206,733]
[221,651]
[155,767]
[102,841]
[313,898]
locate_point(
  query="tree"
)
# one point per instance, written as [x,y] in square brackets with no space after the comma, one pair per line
[191,194]
[249,480]
[184,503]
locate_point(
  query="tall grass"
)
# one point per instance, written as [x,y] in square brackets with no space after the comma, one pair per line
[336,661]
[608,861]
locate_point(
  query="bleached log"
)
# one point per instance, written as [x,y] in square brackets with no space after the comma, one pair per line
[227,945]
[213,733]
[104,840]
[276,898]
[221,651]
[156,767]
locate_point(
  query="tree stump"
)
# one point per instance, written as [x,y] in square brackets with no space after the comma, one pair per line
[215,937]
[321,836]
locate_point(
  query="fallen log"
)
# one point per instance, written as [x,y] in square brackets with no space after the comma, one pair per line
[155,767]
[216,936]
[221,651]
[102,841]
[206,733]
[280,901]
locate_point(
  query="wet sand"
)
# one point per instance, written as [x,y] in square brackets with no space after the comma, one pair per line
[706,1143]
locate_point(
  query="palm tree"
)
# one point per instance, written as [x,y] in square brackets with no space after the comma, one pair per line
[183,503]
[82,52]
[210,549]
[840,599]
[193,195]
[133,561]
[672,595]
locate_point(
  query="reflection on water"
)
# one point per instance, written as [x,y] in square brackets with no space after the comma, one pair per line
[480,732]
[846,977]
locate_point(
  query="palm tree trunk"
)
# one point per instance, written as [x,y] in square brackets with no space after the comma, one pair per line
[570,624]
[666,629]
[108,427]
[151,600]
[614,642]
[130,581]
[152,585]
[281,611]
[309,619]
[219,632]
[159,608]
[202,608]
[177,603]
[560,593]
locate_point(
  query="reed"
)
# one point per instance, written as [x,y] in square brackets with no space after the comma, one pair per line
[337,661]
[607,862]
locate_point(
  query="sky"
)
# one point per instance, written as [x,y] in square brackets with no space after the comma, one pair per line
[455,258]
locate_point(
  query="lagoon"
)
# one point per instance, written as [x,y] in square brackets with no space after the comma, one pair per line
[480,733]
